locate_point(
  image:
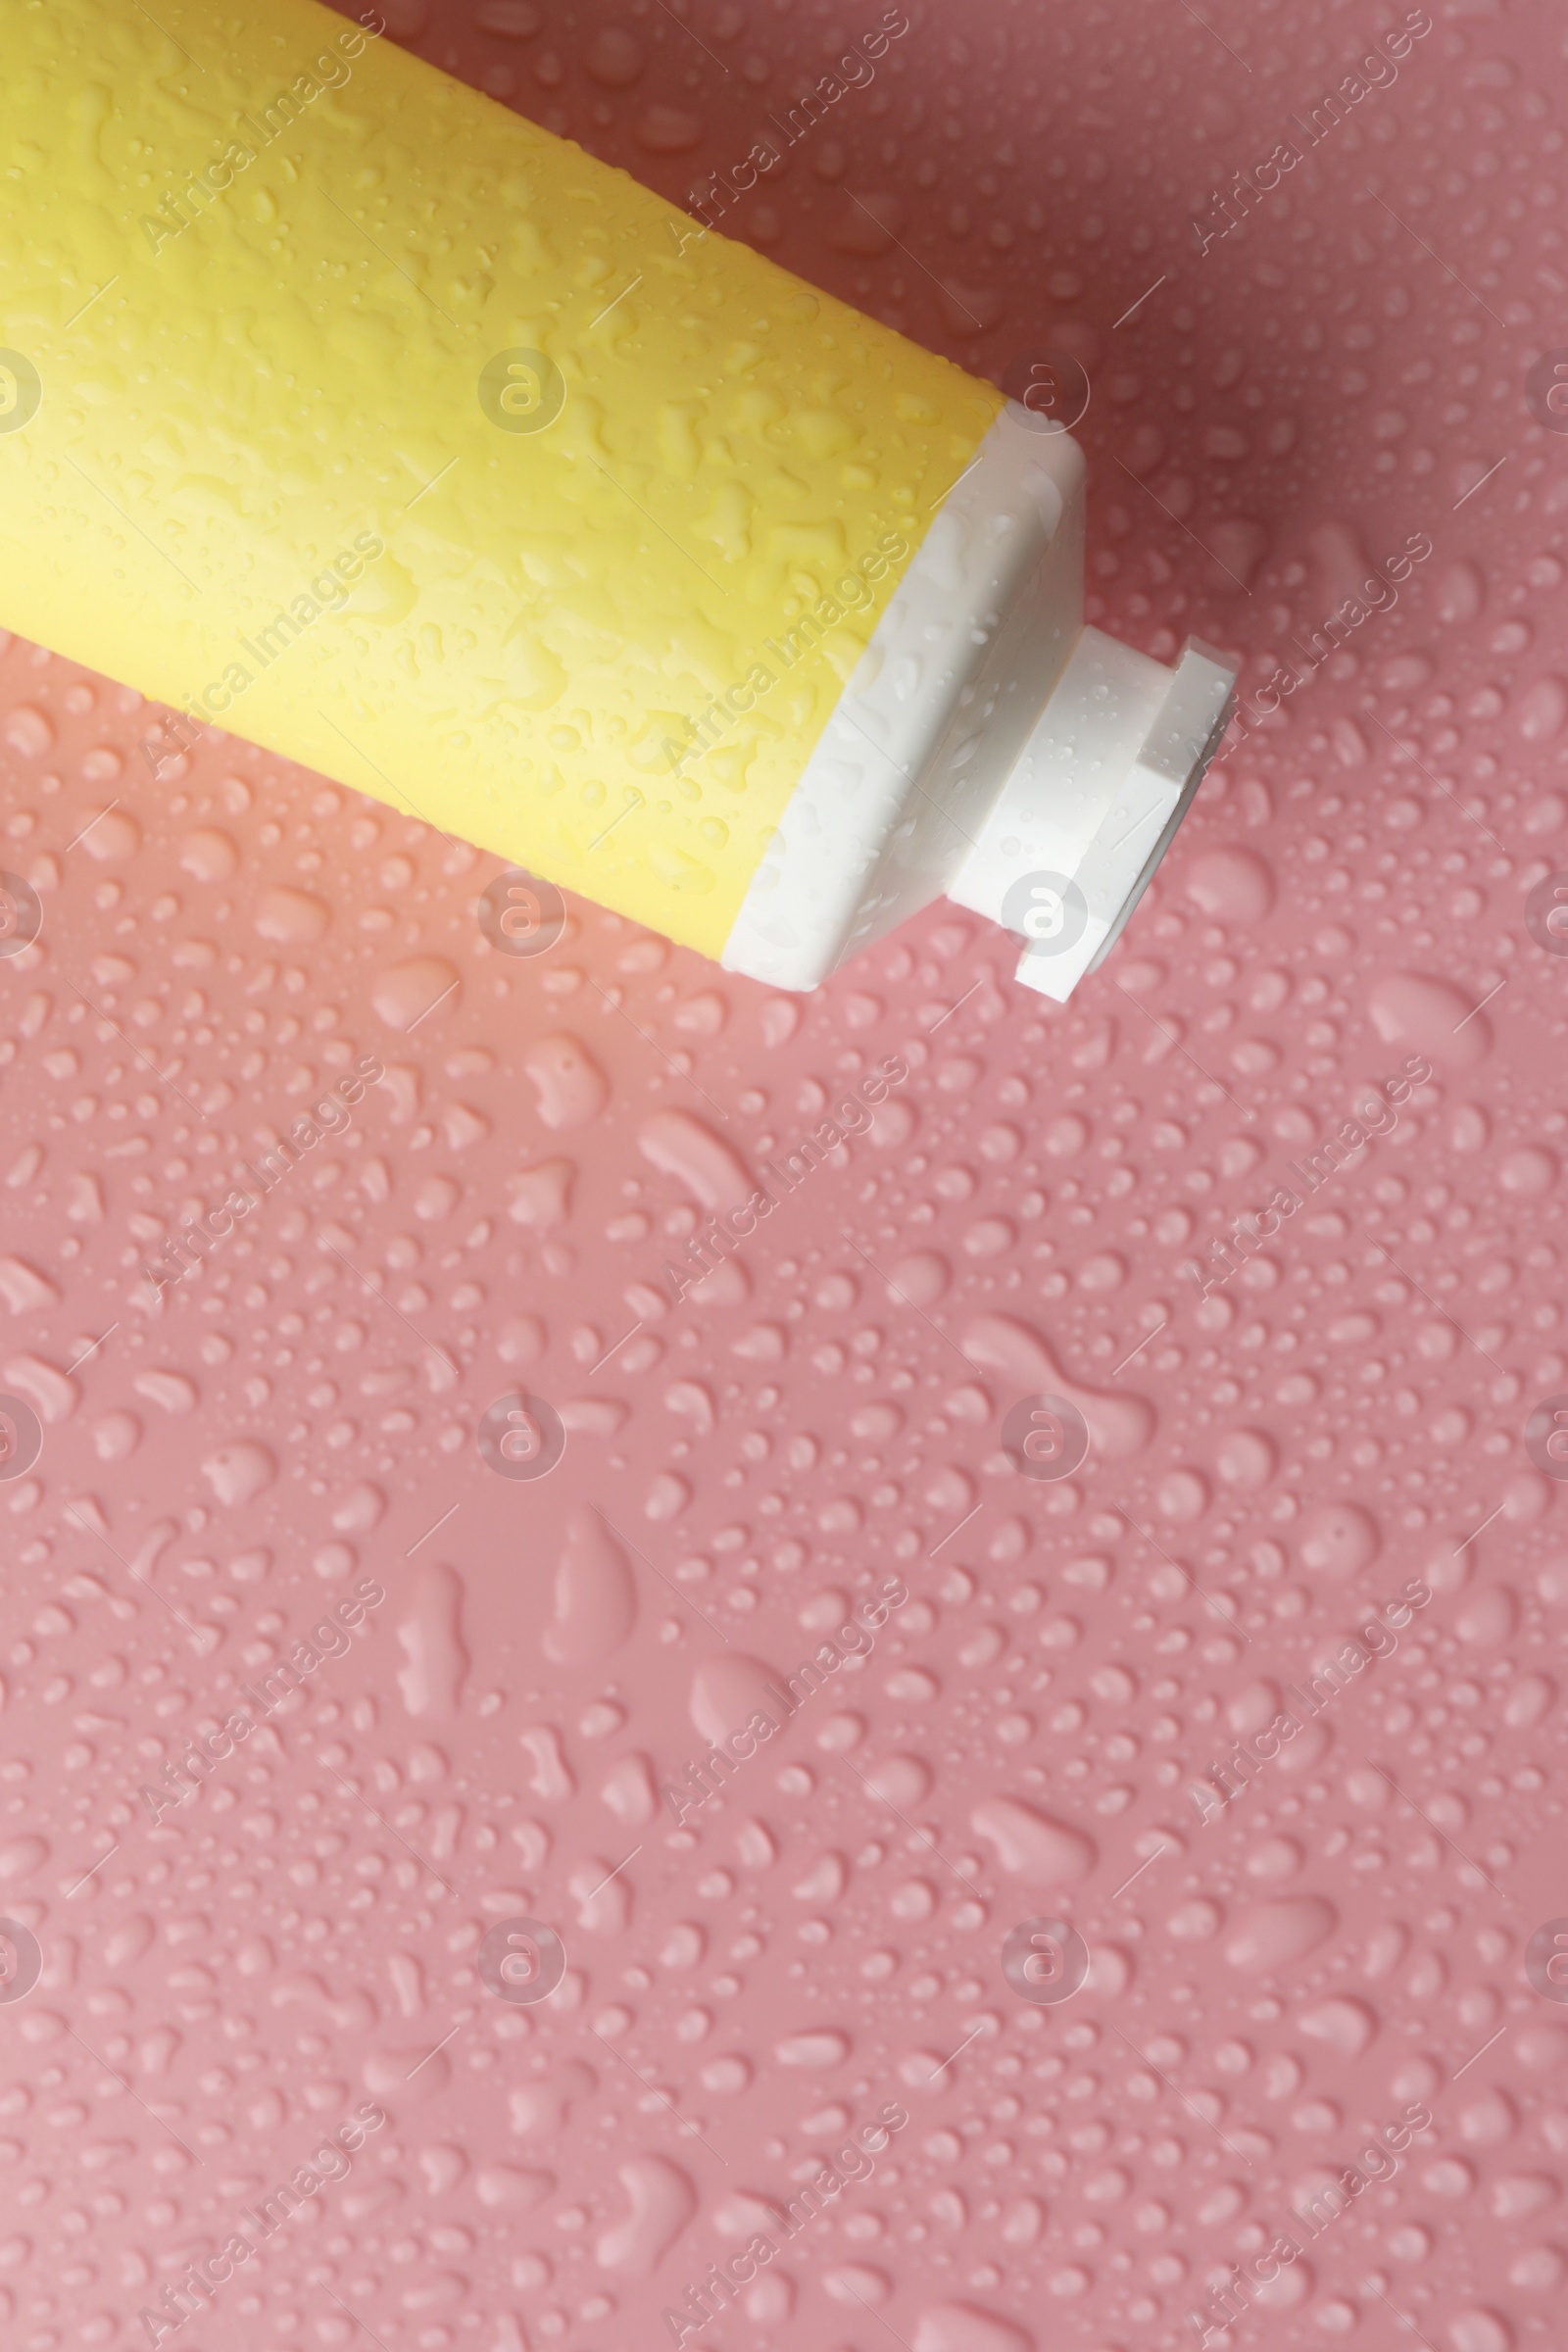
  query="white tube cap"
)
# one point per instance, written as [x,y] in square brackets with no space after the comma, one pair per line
[1092,801]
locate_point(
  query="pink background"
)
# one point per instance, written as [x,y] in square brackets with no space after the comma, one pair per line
[1272,1464]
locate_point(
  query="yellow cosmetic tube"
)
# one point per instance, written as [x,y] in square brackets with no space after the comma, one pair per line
[344,411]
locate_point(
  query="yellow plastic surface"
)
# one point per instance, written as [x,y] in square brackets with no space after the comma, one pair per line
[247,385]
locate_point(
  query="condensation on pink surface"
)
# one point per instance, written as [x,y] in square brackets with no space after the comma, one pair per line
[1282,1979]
